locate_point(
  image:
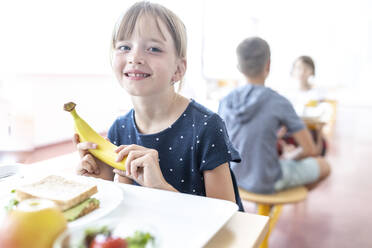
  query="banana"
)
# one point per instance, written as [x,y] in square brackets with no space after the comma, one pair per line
[105,150]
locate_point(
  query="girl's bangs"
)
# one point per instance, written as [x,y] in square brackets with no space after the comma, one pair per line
[128,24]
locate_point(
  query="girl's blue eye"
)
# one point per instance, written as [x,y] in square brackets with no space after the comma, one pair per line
[154,49]
[124,48]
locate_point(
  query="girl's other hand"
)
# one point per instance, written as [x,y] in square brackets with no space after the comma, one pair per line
[142,165]
[88,164]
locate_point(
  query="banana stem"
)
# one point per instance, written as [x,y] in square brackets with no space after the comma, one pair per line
[70,107]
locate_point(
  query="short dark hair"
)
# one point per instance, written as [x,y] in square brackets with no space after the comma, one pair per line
[253,55]
[307,60]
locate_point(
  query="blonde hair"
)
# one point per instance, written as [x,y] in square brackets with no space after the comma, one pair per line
[127,22]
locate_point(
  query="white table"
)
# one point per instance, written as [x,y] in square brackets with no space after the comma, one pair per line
[241,230]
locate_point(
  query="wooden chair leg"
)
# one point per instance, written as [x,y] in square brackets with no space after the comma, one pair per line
[277,209]
[271,205]
[265,210]
[273,211]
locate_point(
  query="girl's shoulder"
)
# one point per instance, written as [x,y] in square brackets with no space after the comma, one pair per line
[122,126]
[125,117]
[199,110]
[203,118]
[124,121]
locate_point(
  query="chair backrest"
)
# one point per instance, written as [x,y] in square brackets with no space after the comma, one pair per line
[328,129]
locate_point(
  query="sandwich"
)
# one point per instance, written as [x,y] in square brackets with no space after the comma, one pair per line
[72,198]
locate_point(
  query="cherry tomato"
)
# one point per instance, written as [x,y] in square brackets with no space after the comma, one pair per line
[108,242]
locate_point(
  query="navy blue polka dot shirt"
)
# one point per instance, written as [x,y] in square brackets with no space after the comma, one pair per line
[195,142]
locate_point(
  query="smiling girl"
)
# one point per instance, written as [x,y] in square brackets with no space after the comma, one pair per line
[171,142]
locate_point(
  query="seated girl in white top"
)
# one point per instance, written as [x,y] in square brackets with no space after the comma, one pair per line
[305,93]
[308,99]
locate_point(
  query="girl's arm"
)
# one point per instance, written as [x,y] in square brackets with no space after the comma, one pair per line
[218,183]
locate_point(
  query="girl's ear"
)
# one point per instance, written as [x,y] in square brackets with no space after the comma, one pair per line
[180,70]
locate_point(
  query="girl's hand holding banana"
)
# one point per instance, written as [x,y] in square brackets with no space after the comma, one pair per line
[105,150]
[89,165]
[98,154]
[142,165]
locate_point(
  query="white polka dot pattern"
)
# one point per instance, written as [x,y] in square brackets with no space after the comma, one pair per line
[187,147]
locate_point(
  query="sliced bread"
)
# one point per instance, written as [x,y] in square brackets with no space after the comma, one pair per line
[64,192]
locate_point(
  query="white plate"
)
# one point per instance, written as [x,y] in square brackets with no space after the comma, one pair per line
[109,194]
[175,219]
[74,237]
[181,220]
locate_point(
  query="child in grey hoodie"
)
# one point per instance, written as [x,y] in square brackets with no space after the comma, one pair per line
[253,114]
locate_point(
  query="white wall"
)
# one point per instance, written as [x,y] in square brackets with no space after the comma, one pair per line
[337,34]
[37,117]
[51,47]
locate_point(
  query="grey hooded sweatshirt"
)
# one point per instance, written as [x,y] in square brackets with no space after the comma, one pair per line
[253,115]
